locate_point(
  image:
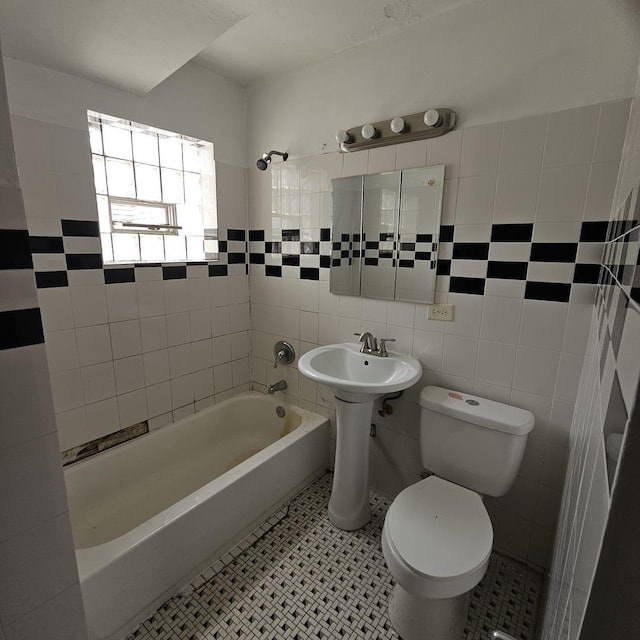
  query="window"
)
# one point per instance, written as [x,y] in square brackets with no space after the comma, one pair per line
[155,191]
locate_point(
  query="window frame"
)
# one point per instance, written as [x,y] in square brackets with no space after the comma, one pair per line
[171,227]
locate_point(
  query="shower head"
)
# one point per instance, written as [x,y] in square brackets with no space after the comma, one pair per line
[264,161]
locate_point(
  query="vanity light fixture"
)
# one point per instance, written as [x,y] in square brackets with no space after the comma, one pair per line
[417,126]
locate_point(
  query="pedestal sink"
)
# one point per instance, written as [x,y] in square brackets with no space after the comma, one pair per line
[356,379]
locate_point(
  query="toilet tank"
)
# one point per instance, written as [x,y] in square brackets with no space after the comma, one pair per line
[471,441]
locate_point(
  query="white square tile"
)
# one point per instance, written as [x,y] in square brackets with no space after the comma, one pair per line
[222,377]
[62,353]
[459,356]
[72,428]
[198,289]
[77,195]
[505,288]
[382,159]
[89,305]
[612,127]
[536,370]
[571,136]
[475,199]
[446,150]
[398,313]
[556,231]
[150,298]
[577,328]
[132,408]
[328,332]
[309,326]
[563,192]
[156,366]
[98,382]
[218,292]
[40,193]
[550,272]
[94,344]
[153,332]
[543,324]
[158,399]
[291,323]
[480,150]
[176,295]
[125,338]
[501,319]
[18,290]
[516,197]
[495,362]
[200,324]
[355,163]
[181,391]
[180,360]
[66,387]
[221,349]
[71,150]
[178,328]
[467,315]
[55,308]
[427,348]
[308,295]
[32,142]
[102,418]
[523,144]
[330,167]
[569,376]
[411,155]
[129,374]
[240,345]
[449,202]
[602,185]
[239,317]
[220,321]
[240,372]
[202,383]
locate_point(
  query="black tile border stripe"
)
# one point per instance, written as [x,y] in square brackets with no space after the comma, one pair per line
[119,275]
[512,232]
[466,285]
[46,244]
[554,251]
[551,291]
[20,328]
[15,249]
[81,228]
[51,279]
[174,273]
[77,261]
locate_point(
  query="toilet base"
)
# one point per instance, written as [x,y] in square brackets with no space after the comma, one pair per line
[427,619]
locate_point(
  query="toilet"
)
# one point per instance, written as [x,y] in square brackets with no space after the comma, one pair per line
[437,534]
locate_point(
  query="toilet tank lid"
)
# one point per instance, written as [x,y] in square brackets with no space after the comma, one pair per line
[480,411]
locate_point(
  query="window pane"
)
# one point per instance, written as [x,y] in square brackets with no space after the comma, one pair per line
[95,138]
[125,247]
[104,219]
[151,248]
[145,147]
[135,212]
[117,141]
[175,248]
[120,178]
[191,155]
[107,249]
[148,182]
[172,187]
[190,219]
[99,176]
[195,248]
[192,192]
[171,152]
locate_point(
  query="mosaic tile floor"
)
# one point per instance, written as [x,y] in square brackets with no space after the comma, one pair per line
[299,577]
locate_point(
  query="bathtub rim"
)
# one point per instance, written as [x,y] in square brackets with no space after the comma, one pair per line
[91,560]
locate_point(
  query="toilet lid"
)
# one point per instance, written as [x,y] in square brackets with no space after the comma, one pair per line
[440,529]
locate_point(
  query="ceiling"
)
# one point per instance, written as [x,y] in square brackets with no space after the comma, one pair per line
[135,45]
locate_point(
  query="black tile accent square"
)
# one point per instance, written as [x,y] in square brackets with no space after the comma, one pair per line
[444,268]
[466,285]
[236,234]
[554,251]
[406,264]
[425,237]
[325,262]
[174,273]
[256,235]
[470,250]
[507,270]
[273,271]
[15,249]
[222,246]
[236,258]
[423,255]
[586,273]
[446,233]
[77,261]
[50,279]
[552,291]
[325,234]
[369,262]
[309,273]
[273,247]
[81,228]
[256,258]
[20,328]
[46,244]
[594,231]
[217,270]
[118,276]
[512,232]
[290,260]
[291,235]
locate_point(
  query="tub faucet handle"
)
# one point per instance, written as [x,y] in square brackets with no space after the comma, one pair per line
[284,353]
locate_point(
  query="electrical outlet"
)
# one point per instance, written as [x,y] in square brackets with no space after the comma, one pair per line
[441,312]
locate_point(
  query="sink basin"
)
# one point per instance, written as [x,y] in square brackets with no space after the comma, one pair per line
[343,368]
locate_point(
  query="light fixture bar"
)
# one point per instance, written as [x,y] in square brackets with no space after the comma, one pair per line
[415,128]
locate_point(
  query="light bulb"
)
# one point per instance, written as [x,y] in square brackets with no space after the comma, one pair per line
[431,118]
[343,137]
[398,125]
[369,132]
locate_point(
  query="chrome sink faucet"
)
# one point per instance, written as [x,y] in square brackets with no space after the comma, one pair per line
[370,344]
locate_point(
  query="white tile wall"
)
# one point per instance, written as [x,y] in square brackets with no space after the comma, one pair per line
[529,353]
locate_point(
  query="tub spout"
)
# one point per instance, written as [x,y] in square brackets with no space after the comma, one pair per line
[281,385]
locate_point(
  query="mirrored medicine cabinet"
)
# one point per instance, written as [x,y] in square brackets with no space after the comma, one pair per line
[385,231]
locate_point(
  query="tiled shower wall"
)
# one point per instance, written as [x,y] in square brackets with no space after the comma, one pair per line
[128,344]
[606,398]
[39,589]
[525,213]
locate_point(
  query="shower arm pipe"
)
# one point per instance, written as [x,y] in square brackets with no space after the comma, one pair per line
[284,155]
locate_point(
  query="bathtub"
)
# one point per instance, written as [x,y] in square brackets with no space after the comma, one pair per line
[148,515]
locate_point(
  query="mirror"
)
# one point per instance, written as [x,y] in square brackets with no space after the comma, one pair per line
[385,234]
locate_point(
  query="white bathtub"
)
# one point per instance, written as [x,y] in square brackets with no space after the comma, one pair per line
[149,514]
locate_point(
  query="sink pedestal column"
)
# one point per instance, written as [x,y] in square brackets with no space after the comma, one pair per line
[349,503]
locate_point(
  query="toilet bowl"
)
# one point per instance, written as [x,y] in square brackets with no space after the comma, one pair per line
[437,535]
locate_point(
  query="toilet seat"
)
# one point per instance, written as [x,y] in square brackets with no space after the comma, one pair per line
[437,539]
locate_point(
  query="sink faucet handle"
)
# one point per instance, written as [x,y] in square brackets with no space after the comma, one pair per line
[382,352]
